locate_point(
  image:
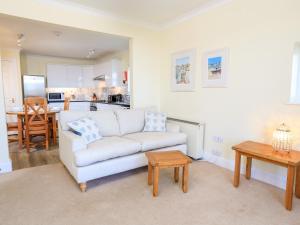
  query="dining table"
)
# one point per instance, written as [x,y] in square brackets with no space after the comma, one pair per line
[20,118]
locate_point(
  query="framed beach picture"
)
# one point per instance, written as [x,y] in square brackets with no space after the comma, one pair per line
[183,70]
[215,68]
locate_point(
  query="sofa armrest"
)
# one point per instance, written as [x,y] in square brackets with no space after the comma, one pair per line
[173,127]
[72,141]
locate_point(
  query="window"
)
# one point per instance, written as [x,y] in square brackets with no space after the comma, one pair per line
[295,86]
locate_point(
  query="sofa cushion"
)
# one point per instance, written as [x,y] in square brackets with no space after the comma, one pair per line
[105,119]
[106,148]
[155,122]
[107,122]
[86,128]
[68,116]
[131,120]
[155,140]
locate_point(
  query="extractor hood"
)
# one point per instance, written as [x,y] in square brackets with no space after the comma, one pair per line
[101,77]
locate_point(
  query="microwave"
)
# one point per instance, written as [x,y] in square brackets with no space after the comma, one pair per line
[56,96]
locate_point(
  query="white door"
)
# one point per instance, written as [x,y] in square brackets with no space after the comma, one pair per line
[10,81]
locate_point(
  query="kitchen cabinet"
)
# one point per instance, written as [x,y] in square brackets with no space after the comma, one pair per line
[112,70]
[79,106]
[102,106]
[58,105]
[56,76]
[70,76]
[74,76]
[88,76]
[82,76]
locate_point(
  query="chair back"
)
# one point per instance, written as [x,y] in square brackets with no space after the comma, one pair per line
[67,104]
[36,118]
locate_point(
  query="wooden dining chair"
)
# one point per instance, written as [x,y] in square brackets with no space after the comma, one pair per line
[67,104]
[12,127]
[36,120]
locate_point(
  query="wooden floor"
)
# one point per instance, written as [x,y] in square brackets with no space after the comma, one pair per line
[22,159]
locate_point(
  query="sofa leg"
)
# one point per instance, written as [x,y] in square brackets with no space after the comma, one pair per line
[82,187]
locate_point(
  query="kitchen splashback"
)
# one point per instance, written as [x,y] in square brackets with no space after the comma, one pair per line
[87,93]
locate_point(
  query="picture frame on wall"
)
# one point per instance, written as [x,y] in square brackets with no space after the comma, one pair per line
[183,70]
[215,68]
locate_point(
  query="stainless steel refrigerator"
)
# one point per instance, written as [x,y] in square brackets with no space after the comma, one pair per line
[34,86]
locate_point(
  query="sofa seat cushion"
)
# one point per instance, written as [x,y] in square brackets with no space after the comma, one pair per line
[155,140]
[106,148]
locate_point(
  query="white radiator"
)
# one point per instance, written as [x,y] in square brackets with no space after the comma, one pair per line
[195,136]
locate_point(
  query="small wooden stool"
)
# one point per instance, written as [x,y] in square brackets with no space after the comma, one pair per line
[169,159]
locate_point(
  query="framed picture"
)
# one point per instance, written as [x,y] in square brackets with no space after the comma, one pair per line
[183,70]
[215,68]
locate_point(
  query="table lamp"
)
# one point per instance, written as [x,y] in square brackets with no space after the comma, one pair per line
[282,138]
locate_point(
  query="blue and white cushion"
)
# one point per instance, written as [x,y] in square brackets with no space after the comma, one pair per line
[86,128]
[155,122]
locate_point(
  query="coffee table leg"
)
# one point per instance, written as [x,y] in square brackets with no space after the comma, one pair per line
[236,179]
[297,188]
[248,168]
[289,187]
[176,174]
[155,183]
[150,174]
[185,178]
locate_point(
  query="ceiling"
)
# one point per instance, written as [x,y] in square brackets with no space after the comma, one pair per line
[54,40]
[151,12]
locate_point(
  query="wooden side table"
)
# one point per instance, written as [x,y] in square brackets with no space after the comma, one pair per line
[169,159]
[266,153]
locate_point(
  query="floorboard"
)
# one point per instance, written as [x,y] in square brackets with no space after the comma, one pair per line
[37,157]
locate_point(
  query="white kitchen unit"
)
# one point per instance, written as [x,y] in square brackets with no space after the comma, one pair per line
[56,76]
[73,76]
[70,76]
[79,106]
[112,70]
[102,106]
[88,76]
[59,105]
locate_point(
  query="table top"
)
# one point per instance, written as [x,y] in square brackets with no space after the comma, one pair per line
[167,158]
[267,152]
[22,113]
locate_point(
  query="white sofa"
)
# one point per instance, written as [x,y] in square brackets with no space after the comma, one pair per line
[122,147]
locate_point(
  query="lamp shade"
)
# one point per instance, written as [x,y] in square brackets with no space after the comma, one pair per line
[282,138]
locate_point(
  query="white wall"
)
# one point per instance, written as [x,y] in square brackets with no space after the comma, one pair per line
[14,54]
[5,162]
[260,36]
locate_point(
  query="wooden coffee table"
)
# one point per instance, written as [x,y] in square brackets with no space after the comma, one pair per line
[266,153]
[169,159]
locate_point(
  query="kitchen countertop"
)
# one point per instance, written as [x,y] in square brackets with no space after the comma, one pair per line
[102,102]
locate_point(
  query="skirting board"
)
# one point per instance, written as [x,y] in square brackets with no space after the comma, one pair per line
[5,167]
[258,174]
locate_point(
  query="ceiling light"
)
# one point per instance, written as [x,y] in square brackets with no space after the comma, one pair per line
[20,39]
[91,53]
